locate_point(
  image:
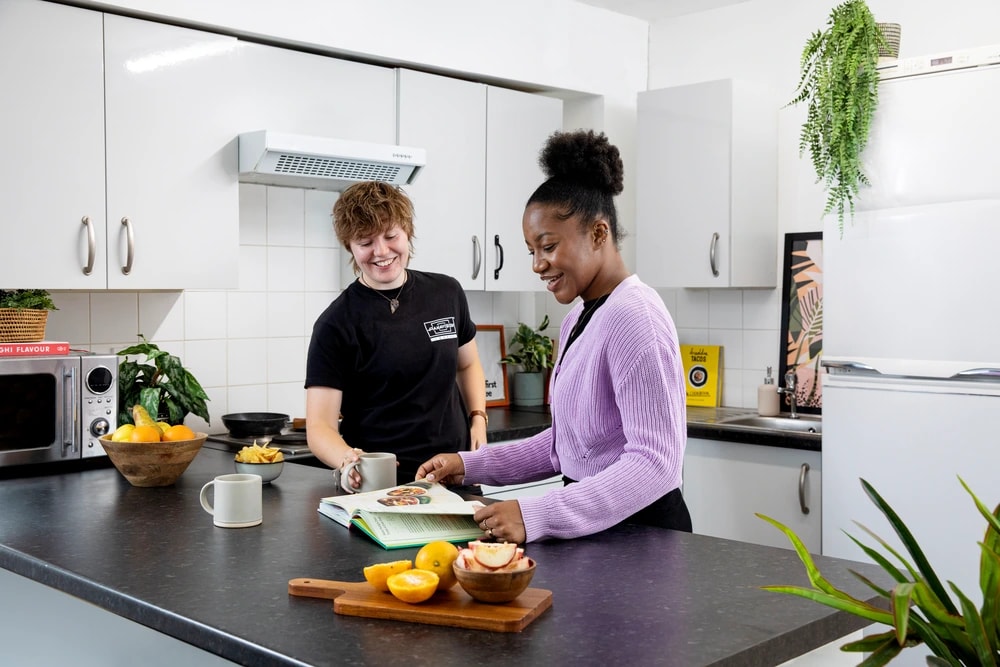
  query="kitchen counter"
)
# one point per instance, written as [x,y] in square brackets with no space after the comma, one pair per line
[630,595]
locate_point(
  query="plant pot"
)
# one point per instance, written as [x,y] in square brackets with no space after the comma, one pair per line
[529,389]
[891,34]
[22,325]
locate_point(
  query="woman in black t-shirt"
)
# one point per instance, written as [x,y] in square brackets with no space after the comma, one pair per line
[395,354]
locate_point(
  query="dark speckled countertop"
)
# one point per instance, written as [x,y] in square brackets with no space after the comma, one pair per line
[631,595]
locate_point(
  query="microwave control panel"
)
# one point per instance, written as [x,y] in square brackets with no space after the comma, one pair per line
[99,402]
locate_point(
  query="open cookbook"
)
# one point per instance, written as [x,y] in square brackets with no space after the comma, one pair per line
[408,515]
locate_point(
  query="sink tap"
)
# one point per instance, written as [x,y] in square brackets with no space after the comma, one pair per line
[789,389]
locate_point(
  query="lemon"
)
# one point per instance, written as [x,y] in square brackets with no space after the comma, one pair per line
[377,574]
[123,433]
[413,586]
[163,426]
[437,557]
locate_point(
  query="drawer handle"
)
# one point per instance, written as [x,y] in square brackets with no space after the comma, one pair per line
[496,243]
[91,245]
[477,257]
[711,254]
[803,473]
[130,250]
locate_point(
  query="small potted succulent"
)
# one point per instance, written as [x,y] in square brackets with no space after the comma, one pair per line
[159,383]
[533,354]
[23,315]
[918,609]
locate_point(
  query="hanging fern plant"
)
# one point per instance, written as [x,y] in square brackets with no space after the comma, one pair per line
[839,83]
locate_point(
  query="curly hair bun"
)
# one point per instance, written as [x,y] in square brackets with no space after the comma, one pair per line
[585,158]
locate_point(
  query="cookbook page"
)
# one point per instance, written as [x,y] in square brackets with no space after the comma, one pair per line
[412,498]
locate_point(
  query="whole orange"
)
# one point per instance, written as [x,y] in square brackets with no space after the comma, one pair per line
[178,432]
[437,557]
[145,434]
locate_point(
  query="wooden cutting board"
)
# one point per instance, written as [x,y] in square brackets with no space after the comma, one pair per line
[453,607]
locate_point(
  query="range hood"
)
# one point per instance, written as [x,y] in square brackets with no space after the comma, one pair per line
[323,163]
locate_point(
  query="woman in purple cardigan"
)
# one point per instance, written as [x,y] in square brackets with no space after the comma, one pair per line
[617,390]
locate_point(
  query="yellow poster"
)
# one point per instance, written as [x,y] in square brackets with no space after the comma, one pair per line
[703,374]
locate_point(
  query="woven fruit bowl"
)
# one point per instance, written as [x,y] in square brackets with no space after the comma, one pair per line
[153,463]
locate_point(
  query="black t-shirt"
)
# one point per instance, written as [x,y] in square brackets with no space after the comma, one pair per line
[397,371]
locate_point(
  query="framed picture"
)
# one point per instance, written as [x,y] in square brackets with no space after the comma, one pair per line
[802,320]
[490,343]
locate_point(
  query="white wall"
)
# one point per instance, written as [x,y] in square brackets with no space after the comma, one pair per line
[762,40]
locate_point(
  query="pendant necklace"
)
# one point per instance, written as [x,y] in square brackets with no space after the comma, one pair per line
[394,302]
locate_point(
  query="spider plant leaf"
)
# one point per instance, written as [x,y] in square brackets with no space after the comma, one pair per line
[901,596]
[882,654]
[840,601]
[870,643]
[879,558]
[933,641]
[911,545]
[976,631]
[870,584]
[815,577]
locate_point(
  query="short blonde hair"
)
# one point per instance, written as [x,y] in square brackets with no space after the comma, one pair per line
[370,208]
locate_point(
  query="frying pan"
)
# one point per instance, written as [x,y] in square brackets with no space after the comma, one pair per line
[250,424]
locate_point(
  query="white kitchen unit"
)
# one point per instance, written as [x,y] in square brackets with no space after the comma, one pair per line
[447,118]
[120,132]
[522,490]
[482,147]
[726,483]
[706,188]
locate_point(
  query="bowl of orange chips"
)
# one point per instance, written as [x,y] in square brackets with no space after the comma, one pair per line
[257,460]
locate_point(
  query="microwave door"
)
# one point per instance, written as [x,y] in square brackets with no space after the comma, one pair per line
[39,417]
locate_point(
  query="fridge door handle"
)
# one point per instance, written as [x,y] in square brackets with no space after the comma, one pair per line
[978,373]
[849,367]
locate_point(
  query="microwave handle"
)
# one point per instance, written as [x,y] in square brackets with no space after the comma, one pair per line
[70,403]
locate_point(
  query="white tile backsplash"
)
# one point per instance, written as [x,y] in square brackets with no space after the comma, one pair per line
[114,316]
[253,268]
[319,219]
[204,314]
[725,309]
[322,269]
[247,363]
[285,314]
[286,208]
[206,359]
[246,314]
[286,360]
[71,322]
[253,215]
[161,315]
[287,397]
[692,309]
[286,269]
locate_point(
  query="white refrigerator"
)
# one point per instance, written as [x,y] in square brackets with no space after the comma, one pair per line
[911,398]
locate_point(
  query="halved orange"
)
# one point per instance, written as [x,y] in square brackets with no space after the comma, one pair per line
[377,574]
[437,557]
[413,586]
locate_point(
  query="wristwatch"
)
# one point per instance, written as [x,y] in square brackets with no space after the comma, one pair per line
[481,413]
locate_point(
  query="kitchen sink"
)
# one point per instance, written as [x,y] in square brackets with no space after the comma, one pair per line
[801,424]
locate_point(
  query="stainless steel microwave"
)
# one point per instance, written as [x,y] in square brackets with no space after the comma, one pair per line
[54,408]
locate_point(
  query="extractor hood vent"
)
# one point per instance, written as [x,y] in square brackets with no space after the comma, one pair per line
[322,163]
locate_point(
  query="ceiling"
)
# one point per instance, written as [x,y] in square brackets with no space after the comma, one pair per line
[651,10]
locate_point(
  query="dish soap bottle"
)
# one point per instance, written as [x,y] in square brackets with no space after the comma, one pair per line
[768,404]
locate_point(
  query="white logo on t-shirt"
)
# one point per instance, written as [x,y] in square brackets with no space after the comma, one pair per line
[441,329]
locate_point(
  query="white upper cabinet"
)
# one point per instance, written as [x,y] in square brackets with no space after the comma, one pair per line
[707,186]
[482,147]
[171,156]
[169,161]
[518,124]
[52,176]
[447,118]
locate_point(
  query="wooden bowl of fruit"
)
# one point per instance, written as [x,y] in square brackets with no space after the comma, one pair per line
[151,455]
[493,572]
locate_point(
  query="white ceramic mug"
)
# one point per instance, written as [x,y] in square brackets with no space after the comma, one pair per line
[238,500]
[377,469]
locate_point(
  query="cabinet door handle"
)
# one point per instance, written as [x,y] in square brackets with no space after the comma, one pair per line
[711,254]
[91,245]
[130,249]
[496,243]
[477,257]
[803,473]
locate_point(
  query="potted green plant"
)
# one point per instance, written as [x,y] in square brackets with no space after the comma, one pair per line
[918,609]
[159,383]
[533,353]
[839,84]
[23,315]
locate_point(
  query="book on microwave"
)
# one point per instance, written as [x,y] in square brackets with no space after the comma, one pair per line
[408,515]
[43,348]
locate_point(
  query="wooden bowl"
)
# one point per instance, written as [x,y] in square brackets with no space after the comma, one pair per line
[153,463]
[494,587]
